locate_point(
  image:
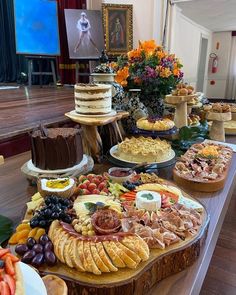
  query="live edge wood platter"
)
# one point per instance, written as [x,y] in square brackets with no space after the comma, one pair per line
[161,264]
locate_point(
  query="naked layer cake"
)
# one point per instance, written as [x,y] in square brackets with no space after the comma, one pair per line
[56,148]
[93,99]
[144,149]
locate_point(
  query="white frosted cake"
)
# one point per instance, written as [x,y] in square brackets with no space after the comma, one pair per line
[93,99]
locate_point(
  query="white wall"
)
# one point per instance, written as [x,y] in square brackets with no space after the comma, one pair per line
[185,41]
[218,90]
[147,17]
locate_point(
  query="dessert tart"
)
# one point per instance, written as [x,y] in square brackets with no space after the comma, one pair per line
[144,149]
[155,124]
[193,120]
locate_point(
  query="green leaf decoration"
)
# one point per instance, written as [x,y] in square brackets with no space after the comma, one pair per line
[6,228]
[147,196]
[92,207]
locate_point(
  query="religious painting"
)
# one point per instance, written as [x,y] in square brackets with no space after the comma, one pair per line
[118,28]
[84,33]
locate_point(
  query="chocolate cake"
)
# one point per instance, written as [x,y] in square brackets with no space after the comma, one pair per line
[56,148]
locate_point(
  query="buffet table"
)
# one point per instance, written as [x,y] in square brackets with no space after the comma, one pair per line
[15,192]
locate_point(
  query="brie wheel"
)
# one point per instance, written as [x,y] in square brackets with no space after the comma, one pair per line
[148,200]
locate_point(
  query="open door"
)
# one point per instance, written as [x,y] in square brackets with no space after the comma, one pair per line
[202,64]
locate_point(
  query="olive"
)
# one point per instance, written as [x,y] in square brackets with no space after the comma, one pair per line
[48,246]
[50,258]
[38,248]
[28,256]
[38,260]
[2,263]
[30,243]
[21,249]
[47,213]
[44,239]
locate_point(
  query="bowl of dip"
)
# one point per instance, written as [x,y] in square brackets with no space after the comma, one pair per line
[118,174]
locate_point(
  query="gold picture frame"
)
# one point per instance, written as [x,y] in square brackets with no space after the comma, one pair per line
[118,28]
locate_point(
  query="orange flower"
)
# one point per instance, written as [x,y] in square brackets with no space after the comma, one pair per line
[136,53]
[176,72]
[165,73]
[160,54]
[148,46]
[122,75]
[113,65]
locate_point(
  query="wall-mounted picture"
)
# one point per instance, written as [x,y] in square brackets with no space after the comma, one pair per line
[118,27]
[84,33]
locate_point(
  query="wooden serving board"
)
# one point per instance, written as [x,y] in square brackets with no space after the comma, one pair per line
[161,264]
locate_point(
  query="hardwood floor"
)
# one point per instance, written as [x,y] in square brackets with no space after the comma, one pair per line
[24,108]
[221,275]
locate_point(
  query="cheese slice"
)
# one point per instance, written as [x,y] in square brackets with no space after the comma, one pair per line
[148,200]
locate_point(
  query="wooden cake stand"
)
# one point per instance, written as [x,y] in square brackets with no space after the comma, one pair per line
[217,131]
[181,111]
[91,138]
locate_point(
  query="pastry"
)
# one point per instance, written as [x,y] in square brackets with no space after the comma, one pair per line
[155,124]
[56,148]
[93,99]
[193,120]
[183,89]
[144,149]
[55,285]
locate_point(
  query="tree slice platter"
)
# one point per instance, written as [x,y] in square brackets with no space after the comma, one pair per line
[161,264]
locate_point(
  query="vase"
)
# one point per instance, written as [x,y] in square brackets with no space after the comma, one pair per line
[154,104]
[135,108]
[118,94]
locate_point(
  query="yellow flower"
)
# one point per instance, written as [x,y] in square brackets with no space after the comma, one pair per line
[122,75]
[165,73]
[161,54]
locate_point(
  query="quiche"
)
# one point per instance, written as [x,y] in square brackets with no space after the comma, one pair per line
[155,124]
[138,150]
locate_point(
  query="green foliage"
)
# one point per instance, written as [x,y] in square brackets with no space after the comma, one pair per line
[6,228]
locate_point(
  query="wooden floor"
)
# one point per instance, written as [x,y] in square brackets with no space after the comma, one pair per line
[23,109]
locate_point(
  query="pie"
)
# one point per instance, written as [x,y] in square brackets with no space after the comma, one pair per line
[142,149]
[155,124]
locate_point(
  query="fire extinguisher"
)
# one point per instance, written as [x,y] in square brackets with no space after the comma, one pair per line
[214,67]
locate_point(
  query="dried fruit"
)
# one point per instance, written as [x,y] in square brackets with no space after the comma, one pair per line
[40,232]
[23,226]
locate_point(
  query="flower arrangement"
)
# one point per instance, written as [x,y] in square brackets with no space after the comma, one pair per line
[150,68]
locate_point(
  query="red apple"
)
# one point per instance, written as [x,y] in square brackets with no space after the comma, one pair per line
[96,192]
[91,186]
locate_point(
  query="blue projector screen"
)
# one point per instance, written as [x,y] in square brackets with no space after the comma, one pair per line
[36,27]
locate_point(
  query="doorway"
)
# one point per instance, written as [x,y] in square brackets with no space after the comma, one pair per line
[202,64]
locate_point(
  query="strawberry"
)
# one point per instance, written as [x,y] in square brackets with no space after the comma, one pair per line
[99,177]
[11,283]
[82,178]
[91,186]
[101,186]
[86,182]
[4,288]
[105,190]
[82,186]
[96,192]
[86,192]
[96,181]
[4,251]
[90,177]
[9,267]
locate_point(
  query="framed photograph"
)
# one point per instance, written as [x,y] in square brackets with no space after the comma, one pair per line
[84,33]
[118,28]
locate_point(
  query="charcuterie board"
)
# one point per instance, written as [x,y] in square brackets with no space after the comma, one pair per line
[160,264]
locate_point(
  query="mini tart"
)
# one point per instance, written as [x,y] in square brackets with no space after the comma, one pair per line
[62,187]
[144,149]
[55,285]
[155,125]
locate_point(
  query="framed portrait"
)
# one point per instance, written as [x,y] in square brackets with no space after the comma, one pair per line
[84,33]
[118,28]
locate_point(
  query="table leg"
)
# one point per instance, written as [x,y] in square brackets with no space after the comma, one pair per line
[181,118]
[217,131]
[92,142]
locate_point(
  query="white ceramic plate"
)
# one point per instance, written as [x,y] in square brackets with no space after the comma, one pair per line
[33,283]
[31,167]
[112,113]
[113,152]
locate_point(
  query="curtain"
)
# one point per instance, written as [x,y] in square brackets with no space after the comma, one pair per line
[66,66]
[231,83]
[11,64]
